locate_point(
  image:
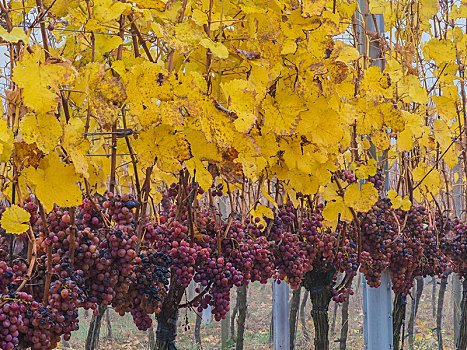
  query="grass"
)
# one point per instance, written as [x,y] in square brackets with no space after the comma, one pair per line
[126,336]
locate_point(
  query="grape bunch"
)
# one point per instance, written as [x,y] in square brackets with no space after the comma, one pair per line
[220,274]
[184,258]
[90,214]
[454,245]
[141,319]
[40,327]
[348,176]
[6,276]
[120,208]
[262,267]
[65,298]
[377,180]
[408,248]
[291,260]
[148,290]
[12,309]
[32,209]
[377,237]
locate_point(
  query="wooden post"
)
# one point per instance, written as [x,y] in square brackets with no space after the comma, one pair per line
[225,331]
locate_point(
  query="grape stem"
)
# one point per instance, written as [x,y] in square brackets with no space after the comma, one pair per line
[48,275]
[355,217]
[132,155]
[72,236]
[88,194]
[198,297]
[141,40]
[40,8]
[190,215]
[113,158]
[179,196]
[170,57]
[228,226]
[214,215]
[439,159]
[146,189]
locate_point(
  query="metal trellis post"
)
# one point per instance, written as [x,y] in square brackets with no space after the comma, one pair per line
[280,310]
[377,302]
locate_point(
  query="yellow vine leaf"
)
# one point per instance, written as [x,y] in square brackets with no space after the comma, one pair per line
[446,107]
[313,7]
[442,134]
[242,101]
[45,130]
[392,117]
[411,91]
[380,139]
[182,37]
[15,35]
[53,182]
[260,212]
[76,145]
[151,4]
[105,94]
[112,89]
[451,158]
[269,197]
[105,43]
[145,86]
[202,177]
[413,129]
[335,210]
[330,192]
[375,83]
[440,51]
[431,182]
[303,182]
[346,53]
[60,8]
[14,220]
[281,116]
[28,76]
[406,203]
[41,81]
[98,179]
[163,146]
[362,171]
[252,162]
[27,154]
[200,148]
[107,10]
[399,202]
[325,132]
[392,194]
[394,69]
[365,144]
[217,49]
[6,141]
[215,124]
[377,6]
[361,200]
[160,177]
[367,116]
